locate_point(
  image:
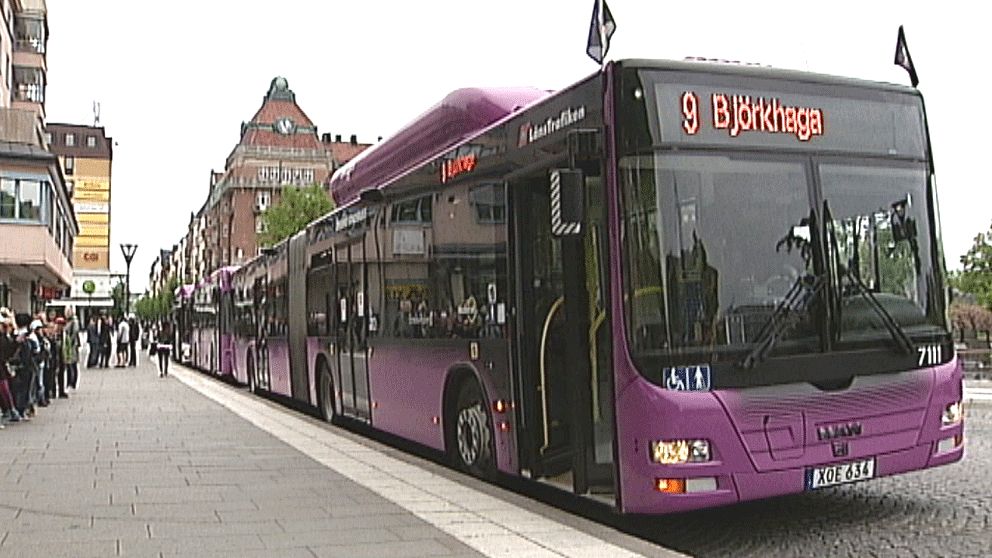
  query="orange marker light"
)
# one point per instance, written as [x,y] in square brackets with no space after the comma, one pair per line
[499,406]
[670,486]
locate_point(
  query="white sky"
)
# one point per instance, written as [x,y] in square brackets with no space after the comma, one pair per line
[175,84]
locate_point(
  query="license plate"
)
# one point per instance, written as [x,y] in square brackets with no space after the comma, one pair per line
[832,475]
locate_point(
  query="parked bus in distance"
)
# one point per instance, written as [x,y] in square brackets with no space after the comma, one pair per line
[182,320]
[211,335]
[670,286]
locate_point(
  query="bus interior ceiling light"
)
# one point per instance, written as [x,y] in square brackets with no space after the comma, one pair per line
[670,452]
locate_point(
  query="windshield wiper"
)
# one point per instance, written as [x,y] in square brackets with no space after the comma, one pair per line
[895,330]
[803,291]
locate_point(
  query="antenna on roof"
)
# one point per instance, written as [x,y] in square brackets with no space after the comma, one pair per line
[96,114]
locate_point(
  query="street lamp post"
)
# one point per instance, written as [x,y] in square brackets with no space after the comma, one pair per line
[128,250]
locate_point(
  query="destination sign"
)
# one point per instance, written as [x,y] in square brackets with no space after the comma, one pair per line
[742,113]
[764,113]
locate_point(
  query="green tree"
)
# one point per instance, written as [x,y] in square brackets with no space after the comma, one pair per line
[117,295]
[976,274]
[295,210]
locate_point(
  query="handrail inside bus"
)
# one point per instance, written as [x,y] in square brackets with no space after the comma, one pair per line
[544,391]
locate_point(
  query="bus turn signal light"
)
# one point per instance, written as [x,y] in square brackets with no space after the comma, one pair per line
[670,486]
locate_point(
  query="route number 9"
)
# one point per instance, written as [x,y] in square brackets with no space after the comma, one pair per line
[690,113]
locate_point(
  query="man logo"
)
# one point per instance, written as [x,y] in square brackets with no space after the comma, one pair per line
[833,431]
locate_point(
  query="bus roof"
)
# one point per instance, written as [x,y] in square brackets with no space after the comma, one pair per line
[461,115]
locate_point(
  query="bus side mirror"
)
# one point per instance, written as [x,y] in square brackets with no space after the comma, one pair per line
[567,202]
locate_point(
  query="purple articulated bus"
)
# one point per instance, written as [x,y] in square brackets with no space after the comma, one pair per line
[672,285]
[211,333]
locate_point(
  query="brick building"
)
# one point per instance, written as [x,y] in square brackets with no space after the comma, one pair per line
[279,147]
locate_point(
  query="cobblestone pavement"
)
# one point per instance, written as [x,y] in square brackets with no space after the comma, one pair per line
[945,511]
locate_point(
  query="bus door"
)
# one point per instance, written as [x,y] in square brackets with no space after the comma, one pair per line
[263,309]
[298,365]
[351,333]
[563,373]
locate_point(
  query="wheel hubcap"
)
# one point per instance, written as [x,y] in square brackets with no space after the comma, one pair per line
[471,422]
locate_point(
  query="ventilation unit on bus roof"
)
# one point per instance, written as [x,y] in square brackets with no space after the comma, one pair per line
[463,114]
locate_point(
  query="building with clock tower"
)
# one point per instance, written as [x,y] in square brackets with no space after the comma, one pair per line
[279,147]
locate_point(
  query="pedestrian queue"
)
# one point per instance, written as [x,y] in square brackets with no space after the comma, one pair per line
[38,362]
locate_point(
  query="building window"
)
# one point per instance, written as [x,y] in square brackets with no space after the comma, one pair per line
[70,162]
[90,141]
[70,185]
[29,84]
[70,139]
[8,198]
[260,225]
[287,175]
[29,34]
[308,176]
[262,200]
[48,138]
[489,201]
[23,199]
[241,254]
[263,173]
[414,211]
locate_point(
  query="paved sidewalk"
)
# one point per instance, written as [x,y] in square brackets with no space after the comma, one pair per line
[134,465]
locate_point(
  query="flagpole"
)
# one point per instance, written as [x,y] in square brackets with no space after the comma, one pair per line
[601,29]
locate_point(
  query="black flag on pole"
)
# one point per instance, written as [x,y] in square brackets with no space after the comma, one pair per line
[904,59]
[601,28]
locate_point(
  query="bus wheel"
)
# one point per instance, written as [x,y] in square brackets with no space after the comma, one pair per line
[326,394]
[472,451]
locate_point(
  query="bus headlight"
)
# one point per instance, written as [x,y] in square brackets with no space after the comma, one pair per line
[669,452]
[952,414]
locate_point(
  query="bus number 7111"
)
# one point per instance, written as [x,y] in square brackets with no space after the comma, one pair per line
[929,355]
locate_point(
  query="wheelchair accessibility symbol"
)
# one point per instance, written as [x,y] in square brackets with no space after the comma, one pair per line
[687,378]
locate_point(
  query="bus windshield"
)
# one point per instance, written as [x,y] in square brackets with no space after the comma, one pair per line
[714,243]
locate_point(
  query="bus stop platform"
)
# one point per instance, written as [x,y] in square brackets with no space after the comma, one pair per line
[136,465]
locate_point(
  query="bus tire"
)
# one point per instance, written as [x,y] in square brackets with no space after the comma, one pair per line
[325,393]
[250,370]
[471,440]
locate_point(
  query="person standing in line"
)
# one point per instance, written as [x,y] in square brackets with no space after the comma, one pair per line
[41,354]
[8,348]
[133,333]
[163,346]
[55,364]
[93,340]
[123,342]
[70,352]
[106,335]
[24,367]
